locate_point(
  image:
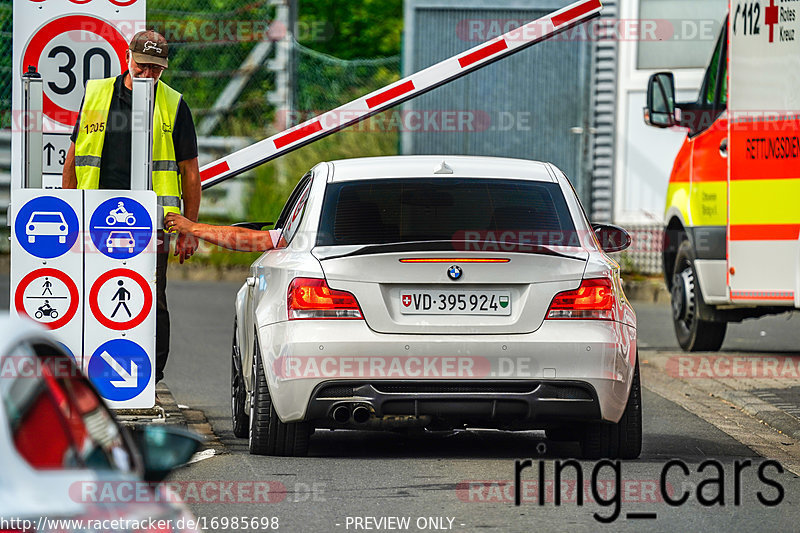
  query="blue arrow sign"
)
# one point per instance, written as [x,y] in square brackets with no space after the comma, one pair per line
[120,369]
[121,228]
[46,227]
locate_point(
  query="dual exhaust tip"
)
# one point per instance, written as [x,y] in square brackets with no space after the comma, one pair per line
[342,413]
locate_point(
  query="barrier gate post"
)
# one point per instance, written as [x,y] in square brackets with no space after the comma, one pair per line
[32,124]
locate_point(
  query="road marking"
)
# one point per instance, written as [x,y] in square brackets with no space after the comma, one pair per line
[202,456]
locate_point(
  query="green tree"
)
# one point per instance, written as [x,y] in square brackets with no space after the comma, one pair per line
[353,29]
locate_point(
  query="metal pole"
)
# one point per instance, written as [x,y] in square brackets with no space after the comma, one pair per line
[32,97]
[142,134]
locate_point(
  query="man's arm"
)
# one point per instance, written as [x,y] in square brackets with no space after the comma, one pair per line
[69,180]
[230,237]
[191,191]
[190,188]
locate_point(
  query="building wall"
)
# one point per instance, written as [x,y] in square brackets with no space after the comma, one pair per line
[535,104]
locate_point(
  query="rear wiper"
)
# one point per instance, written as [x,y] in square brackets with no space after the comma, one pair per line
[453,246]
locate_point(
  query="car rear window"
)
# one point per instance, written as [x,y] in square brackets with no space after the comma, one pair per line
[447,209]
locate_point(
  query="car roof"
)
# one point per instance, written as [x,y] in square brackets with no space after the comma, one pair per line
[425,166]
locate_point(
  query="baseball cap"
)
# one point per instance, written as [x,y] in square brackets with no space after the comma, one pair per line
[149,46]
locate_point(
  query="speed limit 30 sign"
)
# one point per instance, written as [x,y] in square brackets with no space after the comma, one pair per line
[68,42]
[55,48]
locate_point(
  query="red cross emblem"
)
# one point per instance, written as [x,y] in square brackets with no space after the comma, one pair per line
[406,300]
[771,17]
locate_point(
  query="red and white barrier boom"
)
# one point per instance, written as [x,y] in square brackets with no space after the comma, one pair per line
[398,92]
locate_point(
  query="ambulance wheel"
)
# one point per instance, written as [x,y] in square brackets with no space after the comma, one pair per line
[240,414]
[268,434]
[693,333]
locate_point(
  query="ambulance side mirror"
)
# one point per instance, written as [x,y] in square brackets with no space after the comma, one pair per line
[660,110]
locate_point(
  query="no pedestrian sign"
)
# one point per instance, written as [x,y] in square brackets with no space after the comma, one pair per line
[120,299]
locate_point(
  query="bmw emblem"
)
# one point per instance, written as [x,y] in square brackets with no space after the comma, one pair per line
[454,272]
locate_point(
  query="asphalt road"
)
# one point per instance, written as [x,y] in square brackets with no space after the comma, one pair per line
[461,481]
[360,474]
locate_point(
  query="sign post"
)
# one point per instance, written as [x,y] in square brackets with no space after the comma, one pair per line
[83,261]
[32,127]
[67,43]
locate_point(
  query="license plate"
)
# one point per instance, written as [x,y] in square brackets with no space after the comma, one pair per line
[431,302]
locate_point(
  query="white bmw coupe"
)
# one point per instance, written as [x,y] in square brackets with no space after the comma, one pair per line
[437,292]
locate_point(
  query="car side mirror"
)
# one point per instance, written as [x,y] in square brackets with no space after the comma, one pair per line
[660,110]
[164,448]
[612,238]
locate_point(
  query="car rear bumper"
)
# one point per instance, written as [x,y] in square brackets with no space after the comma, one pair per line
[502,404]
[303,358]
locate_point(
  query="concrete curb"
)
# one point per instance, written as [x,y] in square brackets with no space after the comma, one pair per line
[764,411]
[166,411]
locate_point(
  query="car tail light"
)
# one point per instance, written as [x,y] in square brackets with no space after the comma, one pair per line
[593,300]
[311,298]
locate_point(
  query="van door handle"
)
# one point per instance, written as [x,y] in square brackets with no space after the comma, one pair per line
[251,281]
[723,147]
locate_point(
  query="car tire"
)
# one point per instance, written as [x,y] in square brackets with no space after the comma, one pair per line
[240,415]
[31,239]
[629,428]
[268,434]
[622,440]
[693,334]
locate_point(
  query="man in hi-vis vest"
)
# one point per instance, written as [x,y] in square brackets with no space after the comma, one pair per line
[100,155]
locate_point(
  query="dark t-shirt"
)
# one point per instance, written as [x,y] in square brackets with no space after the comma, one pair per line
[115,162]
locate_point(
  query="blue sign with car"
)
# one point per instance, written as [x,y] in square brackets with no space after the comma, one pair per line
[120,369]
[120,228]
[46,227]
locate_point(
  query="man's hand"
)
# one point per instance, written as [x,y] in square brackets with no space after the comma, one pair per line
[187,242]
[175,223]
[186,246]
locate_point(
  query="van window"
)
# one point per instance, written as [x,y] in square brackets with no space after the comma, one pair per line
[717,73]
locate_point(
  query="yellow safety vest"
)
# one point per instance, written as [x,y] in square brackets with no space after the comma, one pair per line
[91,136]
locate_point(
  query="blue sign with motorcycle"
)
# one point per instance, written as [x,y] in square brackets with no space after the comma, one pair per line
[120,228]
[46,227]
[120,369]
